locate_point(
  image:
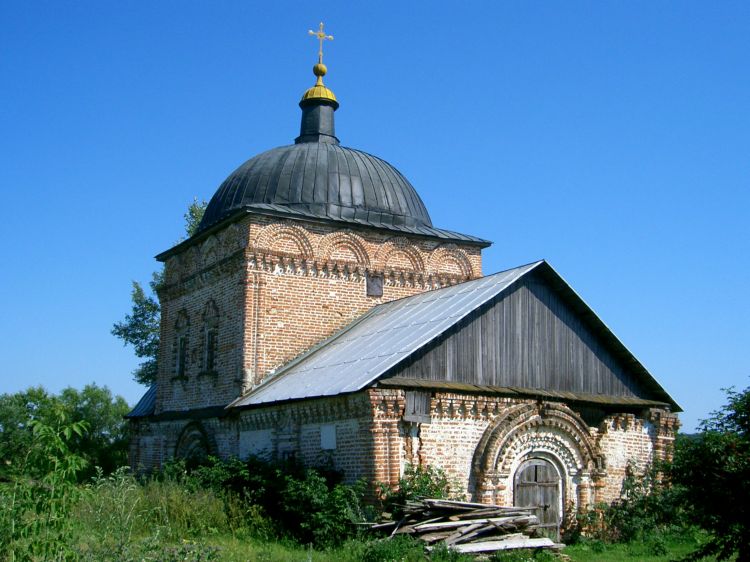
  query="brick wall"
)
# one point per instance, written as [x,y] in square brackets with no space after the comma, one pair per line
[277,288]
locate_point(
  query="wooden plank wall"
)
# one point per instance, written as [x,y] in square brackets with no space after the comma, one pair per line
[527,338]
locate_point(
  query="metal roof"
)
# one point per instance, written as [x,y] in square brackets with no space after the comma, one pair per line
[325,179]
[146,405]
[377,341]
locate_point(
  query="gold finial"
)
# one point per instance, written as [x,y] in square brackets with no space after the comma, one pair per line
[320,34]
[319,91]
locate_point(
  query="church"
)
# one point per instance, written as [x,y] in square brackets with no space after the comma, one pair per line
[317,313]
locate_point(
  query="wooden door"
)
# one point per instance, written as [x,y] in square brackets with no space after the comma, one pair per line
[538,485]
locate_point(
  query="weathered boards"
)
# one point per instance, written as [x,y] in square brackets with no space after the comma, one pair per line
[467,527]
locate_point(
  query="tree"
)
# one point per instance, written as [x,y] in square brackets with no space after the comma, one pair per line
[711,476]
[140,328]
[104,444]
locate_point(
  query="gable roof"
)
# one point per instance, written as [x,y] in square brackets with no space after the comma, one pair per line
[368,348]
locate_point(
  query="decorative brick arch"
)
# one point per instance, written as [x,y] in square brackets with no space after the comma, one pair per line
[450,259]
[346,240]
[209,250]
[194,443]
[548,430]
[277,237]
[211,313]
[172,269]
[399,245]
[189,260]
[232,238]
[182,323]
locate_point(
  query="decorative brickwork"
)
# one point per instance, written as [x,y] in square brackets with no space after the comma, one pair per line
[280,286]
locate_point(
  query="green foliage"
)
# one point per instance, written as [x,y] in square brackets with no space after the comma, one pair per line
[417,482]
[140,329]
[193,216]
[104,444]
[320,513]
[401,547]
[711,477]
[523,556]
[17,411]
[442,553]
[279,499]
[646,509]
[126,519]
[37,500]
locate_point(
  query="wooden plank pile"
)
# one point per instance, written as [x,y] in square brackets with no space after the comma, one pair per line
[468,527]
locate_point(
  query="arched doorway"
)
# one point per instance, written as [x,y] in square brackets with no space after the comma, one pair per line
[537,484]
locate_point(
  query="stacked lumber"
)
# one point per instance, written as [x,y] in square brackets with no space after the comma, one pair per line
[467,527]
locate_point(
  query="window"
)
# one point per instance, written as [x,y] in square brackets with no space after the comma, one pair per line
[374,284]
[209,356]
[181,355]
[182,328]
[210,337]
[417,406]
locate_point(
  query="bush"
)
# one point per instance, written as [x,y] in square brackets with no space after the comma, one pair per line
[646,510]
[275,500]
[40,493]
[318,513]
[416,483]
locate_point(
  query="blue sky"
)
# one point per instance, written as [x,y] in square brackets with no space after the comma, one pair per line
[610,138]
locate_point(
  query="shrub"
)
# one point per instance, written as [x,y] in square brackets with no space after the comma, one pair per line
[318,513]
[268,500]
[645,510]
[36,502]
[417,482]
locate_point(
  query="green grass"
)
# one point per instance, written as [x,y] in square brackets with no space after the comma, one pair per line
[230,548]
[654,550]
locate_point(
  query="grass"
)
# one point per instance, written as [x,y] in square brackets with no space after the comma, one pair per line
[231,548]
[654,550]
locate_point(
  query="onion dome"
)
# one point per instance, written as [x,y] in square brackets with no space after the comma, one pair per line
[319,179]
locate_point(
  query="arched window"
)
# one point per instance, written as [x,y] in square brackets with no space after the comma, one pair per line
[210,337]
[182,326]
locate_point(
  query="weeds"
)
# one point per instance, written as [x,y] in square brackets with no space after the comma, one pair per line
[35,520]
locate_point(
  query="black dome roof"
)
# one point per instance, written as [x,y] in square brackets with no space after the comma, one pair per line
[323,180]
[316,178]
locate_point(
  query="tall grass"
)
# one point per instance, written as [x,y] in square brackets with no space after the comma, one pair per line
[118,517]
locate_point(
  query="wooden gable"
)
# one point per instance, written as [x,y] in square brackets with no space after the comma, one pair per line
[537,334]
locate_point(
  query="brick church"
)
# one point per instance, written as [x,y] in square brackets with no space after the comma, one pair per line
[318,313]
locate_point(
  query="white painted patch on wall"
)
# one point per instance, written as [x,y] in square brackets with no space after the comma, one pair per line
[255,443]
[327,437]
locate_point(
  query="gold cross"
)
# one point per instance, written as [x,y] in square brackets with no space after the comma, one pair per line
[320,34]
